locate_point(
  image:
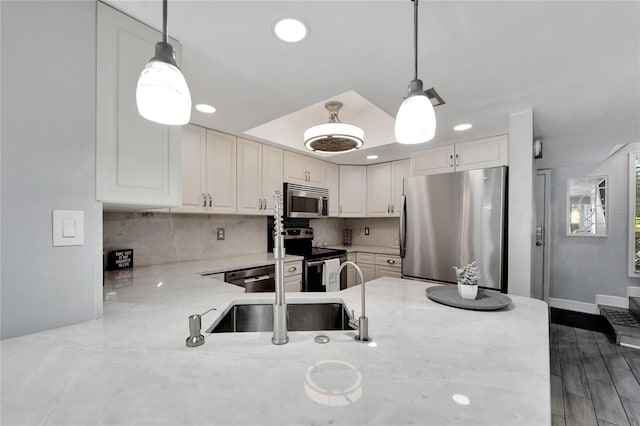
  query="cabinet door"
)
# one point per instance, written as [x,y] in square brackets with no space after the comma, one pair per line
[194,164]
[379,190]
[137,161]
[399,170]
[353,191]
[249,168]
[295,168]
[271,175]
[316,171]
[368,272]
[482,153]
[221,171]
[293,283]
[387,271]
[332,181]
[432,161]
[352,278]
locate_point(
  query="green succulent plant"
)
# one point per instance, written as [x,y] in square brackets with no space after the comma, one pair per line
[469,274]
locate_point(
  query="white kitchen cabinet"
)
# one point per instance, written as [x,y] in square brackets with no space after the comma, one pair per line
[137,161]
[477,154]
[384,187]
[352,275]
[483,153]
[353,191]
[332,180]
[303,170]
[259,171]
[209,171]
[366,262]
[375,265]
[293,276]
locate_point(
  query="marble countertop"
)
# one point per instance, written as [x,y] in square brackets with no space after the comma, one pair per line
[132,366]
[369,249]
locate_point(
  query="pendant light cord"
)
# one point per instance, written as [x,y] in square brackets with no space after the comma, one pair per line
[415,38]
[165,38]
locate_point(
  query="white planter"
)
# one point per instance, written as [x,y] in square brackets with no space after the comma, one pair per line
[468,292]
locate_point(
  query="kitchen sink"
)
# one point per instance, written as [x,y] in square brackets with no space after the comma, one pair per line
[300,317]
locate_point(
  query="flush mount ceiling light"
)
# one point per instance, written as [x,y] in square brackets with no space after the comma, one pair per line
[162,94]
[462,127]
[206,108]
[290,30]
[333,136]
[416,119]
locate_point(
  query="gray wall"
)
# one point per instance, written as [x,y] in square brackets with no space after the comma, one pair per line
[581,267]
[48,162]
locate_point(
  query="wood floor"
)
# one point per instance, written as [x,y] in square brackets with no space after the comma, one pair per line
[593,382]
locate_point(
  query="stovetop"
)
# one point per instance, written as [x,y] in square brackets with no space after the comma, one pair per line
[316,252]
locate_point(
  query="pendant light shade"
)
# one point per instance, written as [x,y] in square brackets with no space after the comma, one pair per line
[416,119]
[162,94]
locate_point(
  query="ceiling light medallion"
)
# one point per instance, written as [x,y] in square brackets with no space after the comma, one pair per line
[162,94]
[333,136]
[416,119]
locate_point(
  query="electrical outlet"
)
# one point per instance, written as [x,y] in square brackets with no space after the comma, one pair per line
[366,231]
[220,232]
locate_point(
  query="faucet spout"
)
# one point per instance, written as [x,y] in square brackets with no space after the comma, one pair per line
[362,323]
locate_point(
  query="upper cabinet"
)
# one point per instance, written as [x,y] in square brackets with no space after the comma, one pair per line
[332,180]
[478,154]
[209,171]
[137,161]
[259,175]
[384,187]
[304,170]
[353,191]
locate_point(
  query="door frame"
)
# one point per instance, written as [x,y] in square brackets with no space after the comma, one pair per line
[546,248]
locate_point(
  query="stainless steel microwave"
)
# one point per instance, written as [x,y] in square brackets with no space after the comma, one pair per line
[305,201]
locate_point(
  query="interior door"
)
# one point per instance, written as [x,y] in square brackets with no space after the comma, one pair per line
[540,283]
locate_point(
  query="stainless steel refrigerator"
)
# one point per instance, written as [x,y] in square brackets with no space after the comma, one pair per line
[452,219]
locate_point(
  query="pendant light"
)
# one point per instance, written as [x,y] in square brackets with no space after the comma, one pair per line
[333,136]
[162,94]
[416,119]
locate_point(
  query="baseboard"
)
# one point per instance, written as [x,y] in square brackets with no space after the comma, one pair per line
[619,302]
[572,305]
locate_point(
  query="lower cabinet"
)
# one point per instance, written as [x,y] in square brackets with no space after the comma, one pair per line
[293,276]
[379,265]
[352,276]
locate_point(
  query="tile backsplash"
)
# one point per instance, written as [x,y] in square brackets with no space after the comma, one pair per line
[158,238]
[164,238]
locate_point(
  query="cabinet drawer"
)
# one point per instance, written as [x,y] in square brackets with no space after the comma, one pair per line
[293,268]
[365,258]
[388,260]
[386,271]
[293,283]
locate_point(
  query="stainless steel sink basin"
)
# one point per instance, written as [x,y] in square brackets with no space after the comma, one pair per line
[300,317]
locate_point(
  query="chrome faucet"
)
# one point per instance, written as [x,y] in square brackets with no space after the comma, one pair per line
[280,306]
[362,323]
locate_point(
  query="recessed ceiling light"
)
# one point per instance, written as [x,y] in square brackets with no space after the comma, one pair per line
[290,30]
[372,157]
[209,109]
[462,127]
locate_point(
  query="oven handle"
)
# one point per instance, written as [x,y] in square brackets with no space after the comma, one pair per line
[319,262]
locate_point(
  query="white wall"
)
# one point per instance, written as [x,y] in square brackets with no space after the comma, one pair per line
[48,162]
[581,267]
[520,215]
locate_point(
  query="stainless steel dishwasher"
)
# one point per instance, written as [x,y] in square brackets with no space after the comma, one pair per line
[254,280]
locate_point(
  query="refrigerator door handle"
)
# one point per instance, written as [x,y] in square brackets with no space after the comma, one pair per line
[403,225]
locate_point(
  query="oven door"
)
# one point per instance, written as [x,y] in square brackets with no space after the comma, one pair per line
[313,274]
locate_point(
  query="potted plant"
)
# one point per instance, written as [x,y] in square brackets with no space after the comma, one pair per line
[468,277]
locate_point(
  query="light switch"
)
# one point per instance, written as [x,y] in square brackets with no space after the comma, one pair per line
[68,228]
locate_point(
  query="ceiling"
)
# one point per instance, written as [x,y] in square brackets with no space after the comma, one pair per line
[576,64]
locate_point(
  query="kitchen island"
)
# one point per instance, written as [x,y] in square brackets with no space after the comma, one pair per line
[430,364]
